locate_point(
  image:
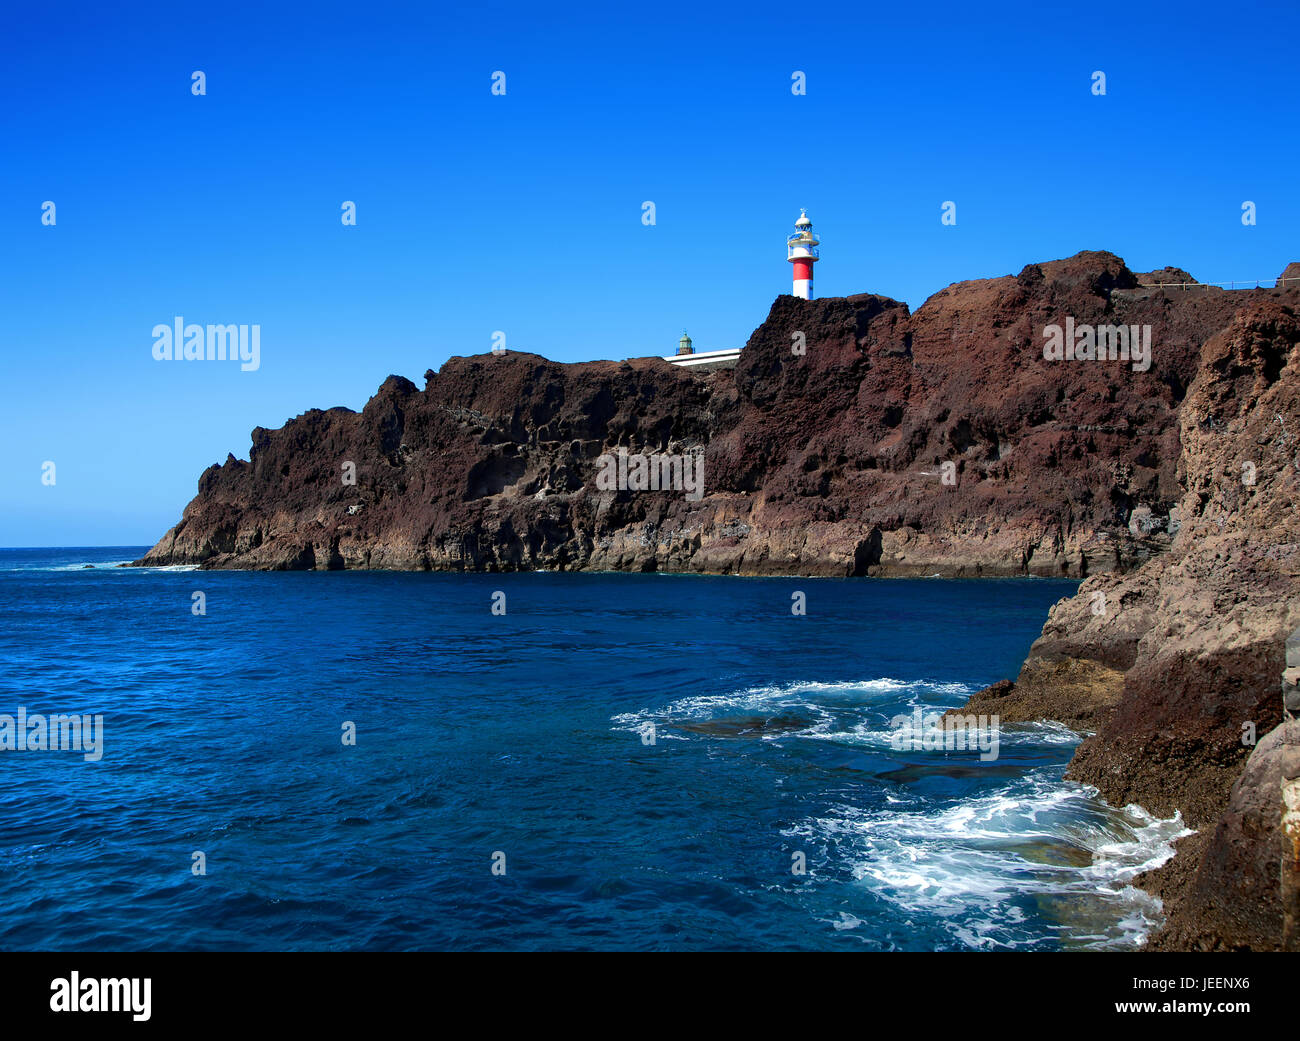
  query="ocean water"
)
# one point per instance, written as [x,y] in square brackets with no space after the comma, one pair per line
[523,740]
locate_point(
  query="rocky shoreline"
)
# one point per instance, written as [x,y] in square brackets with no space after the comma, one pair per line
[900,443]
[1176,666]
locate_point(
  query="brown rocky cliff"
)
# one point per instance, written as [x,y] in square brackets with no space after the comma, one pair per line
[828,463]
[1173,663]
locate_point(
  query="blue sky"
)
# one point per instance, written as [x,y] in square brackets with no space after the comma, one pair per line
[522,212]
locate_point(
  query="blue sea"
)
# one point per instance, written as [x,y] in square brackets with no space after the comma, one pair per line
[615,762]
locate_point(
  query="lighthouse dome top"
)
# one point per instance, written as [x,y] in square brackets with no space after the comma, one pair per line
[804,242]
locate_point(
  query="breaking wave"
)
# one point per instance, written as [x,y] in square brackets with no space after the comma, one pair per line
[996,855]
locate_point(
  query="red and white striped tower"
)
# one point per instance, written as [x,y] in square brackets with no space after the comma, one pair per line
[801,251]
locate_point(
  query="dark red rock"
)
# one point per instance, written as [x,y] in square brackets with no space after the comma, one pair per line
[824,463]
[1232,900]
[1166,275]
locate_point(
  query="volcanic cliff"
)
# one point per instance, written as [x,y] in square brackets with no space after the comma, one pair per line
[895,443]
[828,462]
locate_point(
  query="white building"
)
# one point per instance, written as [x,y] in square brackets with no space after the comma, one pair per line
[688,358]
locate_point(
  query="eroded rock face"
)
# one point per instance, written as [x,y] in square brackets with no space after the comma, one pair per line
[1231,902]
[831,462]
[1197,637]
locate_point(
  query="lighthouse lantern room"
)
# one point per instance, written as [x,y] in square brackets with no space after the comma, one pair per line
[801,251]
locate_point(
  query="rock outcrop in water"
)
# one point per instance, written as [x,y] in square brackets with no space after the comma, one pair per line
[1172,491]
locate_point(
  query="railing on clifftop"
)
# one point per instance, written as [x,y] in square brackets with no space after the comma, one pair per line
[1258,283]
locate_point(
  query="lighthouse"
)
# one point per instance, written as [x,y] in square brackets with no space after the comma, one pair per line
[801,251]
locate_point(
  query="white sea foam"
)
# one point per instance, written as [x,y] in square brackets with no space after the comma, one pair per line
[857,712]
[103,565]
[813,697]
[1038,848]
[1035,861]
